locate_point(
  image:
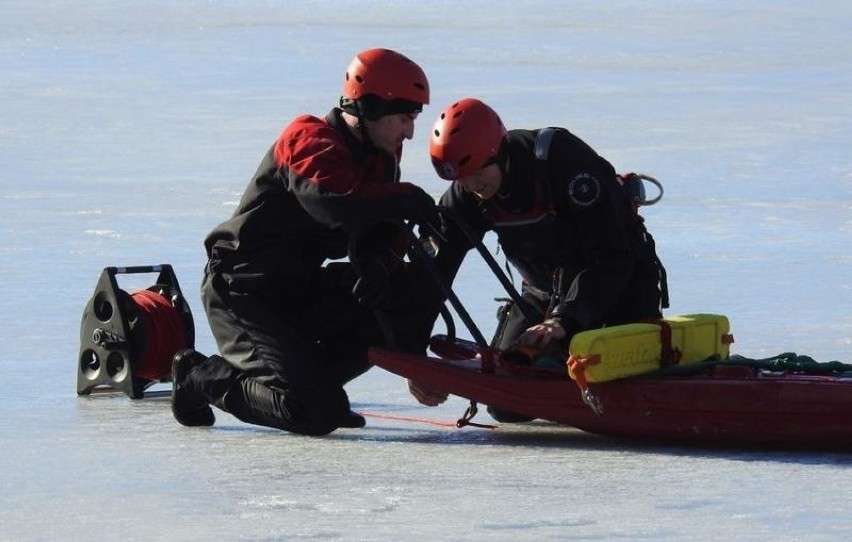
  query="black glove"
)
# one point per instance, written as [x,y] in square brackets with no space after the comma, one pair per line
[421,208]
[373,288]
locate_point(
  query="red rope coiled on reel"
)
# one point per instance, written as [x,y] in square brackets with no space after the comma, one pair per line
[165,334]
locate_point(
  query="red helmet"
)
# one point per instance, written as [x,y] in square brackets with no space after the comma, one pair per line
[386,74]
[466,137]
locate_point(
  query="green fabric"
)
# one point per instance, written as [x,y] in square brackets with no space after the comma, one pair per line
[787,362]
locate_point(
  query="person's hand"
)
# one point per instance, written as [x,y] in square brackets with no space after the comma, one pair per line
[372,289]
[425,395]
[541,335]
[422,208]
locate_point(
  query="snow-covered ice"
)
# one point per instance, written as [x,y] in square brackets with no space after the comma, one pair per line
[129,129]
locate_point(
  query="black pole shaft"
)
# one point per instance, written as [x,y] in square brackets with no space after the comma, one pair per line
[529,313]
[424,259]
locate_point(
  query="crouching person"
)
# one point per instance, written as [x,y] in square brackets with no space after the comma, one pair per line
[293,325]
[563,220]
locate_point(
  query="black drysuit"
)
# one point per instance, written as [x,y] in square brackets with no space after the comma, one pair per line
[565,223]
[290,332]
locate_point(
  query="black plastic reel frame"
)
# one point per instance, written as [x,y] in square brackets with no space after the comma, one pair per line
[113,335]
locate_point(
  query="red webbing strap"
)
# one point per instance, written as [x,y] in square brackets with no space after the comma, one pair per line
[669,355]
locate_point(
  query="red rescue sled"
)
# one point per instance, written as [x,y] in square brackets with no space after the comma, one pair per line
[721,404]
[722,401]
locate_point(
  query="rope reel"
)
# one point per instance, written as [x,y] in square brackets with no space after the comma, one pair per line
[127,341]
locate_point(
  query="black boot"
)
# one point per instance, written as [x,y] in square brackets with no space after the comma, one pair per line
[189,407]
[353,420]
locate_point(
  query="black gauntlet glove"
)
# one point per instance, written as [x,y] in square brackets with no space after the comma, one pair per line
[373,258]
[373,288]
[421,208]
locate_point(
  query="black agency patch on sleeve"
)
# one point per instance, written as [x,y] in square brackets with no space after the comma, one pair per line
[584,190]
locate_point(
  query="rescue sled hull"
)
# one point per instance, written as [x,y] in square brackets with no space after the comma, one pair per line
[730,405]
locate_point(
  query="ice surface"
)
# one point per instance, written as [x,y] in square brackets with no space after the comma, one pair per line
[129,129]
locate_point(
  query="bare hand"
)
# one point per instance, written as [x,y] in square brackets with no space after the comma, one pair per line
[541,335]
[426,396]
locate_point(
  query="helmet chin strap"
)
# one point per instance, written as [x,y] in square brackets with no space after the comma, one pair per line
[502,161]
[354,108]
[362,129]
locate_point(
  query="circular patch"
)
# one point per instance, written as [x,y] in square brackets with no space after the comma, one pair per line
[584,189]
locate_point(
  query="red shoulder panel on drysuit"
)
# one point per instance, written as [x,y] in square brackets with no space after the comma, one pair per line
[315,151]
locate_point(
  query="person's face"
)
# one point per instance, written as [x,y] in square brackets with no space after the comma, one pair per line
[483,183]
[390,131]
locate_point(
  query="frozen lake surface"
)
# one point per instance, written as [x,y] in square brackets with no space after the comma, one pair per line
[128,130]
